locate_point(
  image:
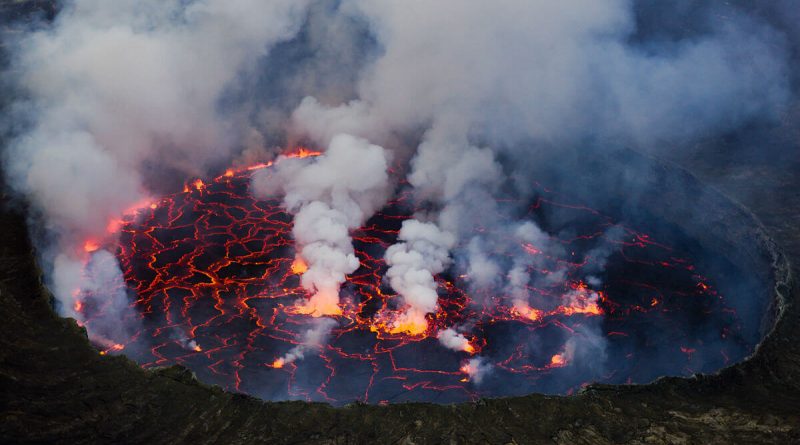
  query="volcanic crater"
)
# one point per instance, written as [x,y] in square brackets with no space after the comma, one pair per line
[213,275]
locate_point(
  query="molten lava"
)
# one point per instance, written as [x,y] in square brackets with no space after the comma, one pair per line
[323,303]
[299,266]
[216,282]
[558,360]
[90,246]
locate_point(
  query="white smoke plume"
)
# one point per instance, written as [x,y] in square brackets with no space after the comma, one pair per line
[509,75]
[477,369]
[120,93]
[455,177]
[329,196]
[532,241]
[313,338]
[422,251]
[452,339]
[103,290]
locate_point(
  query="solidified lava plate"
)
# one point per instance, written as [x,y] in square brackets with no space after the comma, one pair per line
[212,275]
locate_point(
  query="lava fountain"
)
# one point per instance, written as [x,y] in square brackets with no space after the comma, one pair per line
[214,279]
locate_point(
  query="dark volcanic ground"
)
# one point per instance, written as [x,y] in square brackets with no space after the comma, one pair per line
[55,388]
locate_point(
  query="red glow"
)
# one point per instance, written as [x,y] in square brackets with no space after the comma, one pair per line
[558,360]
[303,152]
[299,266]
[116,347]
[524,310]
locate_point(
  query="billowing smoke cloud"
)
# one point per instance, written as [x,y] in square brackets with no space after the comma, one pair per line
[329,196]
[510,77]
[512,71]
[102,297]
[452,339]
[421,253]
[477,369]
[532,242]
[121,93]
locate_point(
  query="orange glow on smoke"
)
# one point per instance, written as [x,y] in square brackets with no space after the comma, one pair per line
[323,303]
[278,363]
[558,360]
[581,307]
[411,323]
[469,369]
[469,348]
[114,225]
[584,301]
[114,348]
[299,266]
[410,328]
[90,246]
[78,306]
[303,152]
[318,309]
[259,166]
[523,310]
[531,249]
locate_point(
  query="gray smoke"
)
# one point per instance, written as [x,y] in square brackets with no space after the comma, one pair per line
[329,196]
[314,338]
[486,81]
[115,88]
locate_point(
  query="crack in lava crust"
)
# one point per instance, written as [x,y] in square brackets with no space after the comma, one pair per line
[212,275]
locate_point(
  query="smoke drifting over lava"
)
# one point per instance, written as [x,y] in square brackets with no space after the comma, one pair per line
[329,196]
[218,288]
[422,116]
